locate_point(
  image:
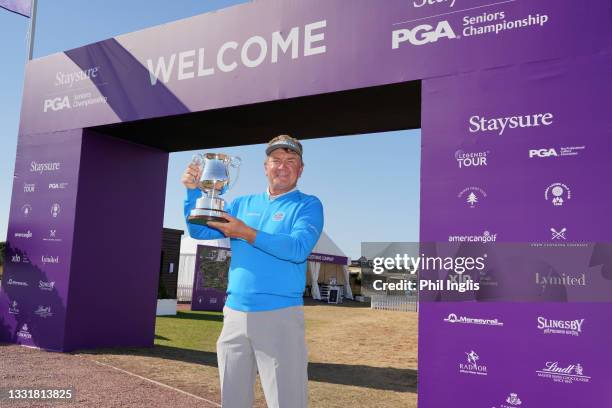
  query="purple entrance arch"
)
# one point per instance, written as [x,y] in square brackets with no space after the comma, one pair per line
[523,84]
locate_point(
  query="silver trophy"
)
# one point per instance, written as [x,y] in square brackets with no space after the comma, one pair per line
[214,182]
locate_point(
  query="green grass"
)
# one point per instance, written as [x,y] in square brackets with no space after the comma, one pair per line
[189,330]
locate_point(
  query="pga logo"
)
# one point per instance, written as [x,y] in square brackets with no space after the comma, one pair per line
[423,34]
[57,104]
[542,153]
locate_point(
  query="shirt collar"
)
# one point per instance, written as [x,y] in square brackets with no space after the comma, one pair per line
[272,198]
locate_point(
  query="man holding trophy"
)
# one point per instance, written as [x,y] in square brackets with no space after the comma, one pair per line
[272,235]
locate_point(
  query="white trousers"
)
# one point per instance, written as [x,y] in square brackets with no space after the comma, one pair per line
[272,343]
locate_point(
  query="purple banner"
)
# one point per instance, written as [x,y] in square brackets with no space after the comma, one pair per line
[210,278]
[279,49]
[325,258]
[520,163]
[23,7]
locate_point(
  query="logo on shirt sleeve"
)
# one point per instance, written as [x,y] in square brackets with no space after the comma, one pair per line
[279,216]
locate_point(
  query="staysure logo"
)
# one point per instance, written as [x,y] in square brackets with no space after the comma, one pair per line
[70,78]
[57,104]
[560,279]
[310,40]
[422,34]
[46,167]
[564,327]
[482,124]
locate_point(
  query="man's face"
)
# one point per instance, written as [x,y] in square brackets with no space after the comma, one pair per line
[283,169]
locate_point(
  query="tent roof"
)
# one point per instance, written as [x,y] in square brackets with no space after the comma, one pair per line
[327,246]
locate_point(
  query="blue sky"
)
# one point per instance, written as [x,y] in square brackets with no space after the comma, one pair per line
[356,177]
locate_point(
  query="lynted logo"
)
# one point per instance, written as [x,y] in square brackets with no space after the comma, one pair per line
[481,124]
[41,168]
[566,327]
[560,280]
[47,286]
[49,259]
[57,104]
[422,34]
[566,375]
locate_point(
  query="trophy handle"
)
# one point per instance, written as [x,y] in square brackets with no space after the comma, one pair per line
[234,161]
[198,160]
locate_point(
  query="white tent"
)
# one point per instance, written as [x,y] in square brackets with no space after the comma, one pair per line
[321,271]
[318,271]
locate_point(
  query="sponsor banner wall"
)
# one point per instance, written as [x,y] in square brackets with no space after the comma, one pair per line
[517,154]
[210,278]
[278,49]
[39,242]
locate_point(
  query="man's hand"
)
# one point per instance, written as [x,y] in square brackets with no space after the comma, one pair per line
[234,228]
[191,176]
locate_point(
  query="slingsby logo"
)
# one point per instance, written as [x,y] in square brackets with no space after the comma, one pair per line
[472,366]
[563,374]
[422,34]
[453,318]
[566,327]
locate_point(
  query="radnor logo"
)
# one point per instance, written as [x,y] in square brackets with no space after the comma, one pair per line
[568,327]
[12,282]
[472,366]
[13,308]
[560,280]
[41,168]
[47,286]
[26,235]
[482,124]
[485,237]
[24,333]
[43,311]
[49,259]
[453,318]
[568,375]
[422,34]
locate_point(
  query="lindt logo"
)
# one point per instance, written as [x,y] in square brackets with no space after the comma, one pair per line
[564,374]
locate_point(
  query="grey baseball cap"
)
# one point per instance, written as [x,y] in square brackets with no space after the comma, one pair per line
[284,144]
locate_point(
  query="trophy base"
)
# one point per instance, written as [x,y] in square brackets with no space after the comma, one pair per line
[201,216]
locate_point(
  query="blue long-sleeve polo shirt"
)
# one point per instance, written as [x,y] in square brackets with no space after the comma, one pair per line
[270,273]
